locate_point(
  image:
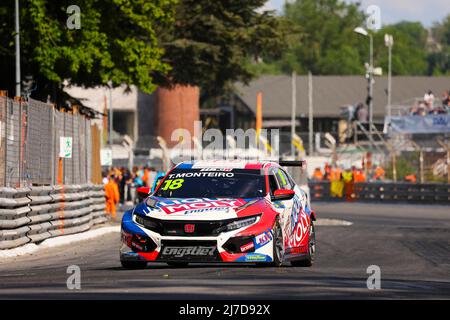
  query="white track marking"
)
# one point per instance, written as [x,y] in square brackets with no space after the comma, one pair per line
[332,222]
[58,241]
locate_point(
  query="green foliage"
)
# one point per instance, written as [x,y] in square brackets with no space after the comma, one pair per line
[326,41]
[327,45]
[212,40]
[439,59]
[406,164]
[117,41]
[408,53]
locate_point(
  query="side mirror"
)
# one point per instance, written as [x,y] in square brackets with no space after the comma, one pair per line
[282,194]
[142,193]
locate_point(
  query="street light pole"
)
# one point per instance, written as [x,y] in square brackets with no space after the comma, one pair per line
[293,111]
[371,85]
[17,43]
[110,120]
[389,41]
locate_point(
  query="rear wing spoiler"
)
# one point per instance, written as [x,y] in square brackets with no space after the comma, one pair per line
[292,163]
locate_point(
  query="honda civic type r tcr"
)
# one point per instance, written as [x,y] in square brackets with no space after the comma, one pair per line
[221,211]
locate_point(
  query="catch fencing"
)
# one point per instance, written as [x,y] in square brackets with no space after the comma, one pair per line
[31,215]
[30,139]
[429,193]
[46,191]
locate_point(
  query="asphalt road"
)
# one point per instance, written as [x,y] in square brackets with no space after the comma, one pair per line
[410,244]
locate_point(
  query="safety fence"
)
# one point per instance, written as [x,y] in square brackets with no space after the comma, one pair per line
[385,192]
[40,145]
[31,215]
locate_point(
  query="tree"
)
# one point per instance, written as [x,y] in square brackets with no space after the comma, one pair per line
[409,56]
[439,58]
[327,43]
[116,42]
[211,40]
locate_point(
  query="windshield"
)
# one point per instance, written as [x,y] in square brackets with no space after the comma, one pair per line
[217,183]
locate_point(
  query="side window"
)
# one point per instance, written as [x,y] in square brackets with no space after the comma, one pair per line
[272,183]
[291,181]
[283,180]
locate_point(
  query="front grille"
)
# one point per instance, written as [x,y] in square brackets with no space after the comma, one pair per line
[189,250]
[177,228]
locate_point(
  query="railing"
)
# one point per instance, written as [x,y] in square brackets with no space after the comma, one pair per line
[430,193]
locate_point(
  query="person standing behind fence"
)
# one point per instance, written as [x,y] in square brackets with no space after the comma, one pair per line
[349,184]
[336,183]
[379,174]
[317,174]
[112,196]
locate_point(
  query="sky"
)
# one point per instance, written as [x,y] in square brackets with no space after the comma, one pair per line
[392,11]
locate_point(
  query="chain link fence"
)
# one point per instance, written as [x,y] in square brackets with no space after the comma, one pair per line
[30,135]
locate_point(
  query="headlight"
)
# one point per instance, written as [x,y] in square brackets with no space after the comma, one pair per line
[146,222]
[244,222]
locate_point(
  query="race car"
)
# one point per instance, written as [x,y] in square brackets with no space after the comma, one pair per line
[221,211]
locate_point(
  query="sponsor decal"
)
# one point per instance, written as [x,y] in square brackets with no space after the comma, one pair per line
[216,169]
[179,252]
[263,238]
[297,225]
[201,174]
[237,164]
[174,206]
[247,247]
[256,257]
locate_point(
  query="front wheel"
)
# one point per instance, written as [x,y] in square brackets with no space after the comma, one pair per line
[278,245]
[308,262]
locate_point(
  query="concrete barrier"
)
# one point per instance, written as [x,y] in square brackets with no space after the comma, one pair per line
[31,215]
[427,193]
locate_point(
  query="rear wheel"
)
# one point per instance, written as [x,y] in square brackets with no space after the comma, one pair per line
[133,264]
[308,262]
[178,264]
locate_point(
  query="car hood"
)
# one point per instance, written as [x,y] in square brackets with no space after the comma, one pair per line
[195,208]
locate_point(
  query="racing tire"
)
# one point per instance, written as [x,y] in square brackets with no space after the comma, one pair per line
[278,247]
[308,262]
[178,264]
[133,264]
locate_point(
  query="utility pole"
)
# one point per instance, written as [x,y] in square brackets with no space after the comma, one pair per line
[17,41]
[294,107]
[310,113]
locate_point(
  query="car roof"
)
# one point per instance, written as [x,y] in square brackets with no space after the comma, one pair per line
[229,164]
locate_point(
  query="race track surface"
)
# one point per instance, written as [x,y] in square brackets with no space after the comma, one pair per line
[410,243]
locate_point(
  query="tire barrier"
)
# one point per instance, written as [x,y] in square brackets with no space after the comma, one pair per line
[430,193]
[31,215]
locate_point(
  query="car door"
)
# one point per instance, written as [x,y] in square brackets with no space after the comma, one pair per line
[284,207]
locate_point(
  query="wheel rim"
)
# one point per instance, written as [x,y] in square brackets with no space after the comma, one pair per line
[312,241]
[279,247]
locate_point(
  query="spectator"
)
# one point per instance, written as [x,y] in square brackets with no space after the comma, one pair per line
[428,98]
[362,113]
[112,196]
[337,184]
[446,99]
[379,174]
[317,174]
[411,178]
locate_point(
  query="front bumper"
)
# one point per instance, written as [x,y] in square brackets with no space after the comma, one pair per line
[141,244]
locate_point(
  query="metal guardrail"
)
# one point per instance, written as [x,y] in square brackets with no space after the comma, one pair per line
[387,192]
[31,215]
